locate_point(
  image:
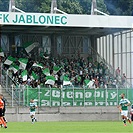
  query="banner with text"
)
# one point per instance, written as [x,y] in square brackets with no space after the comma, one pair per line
[76,97]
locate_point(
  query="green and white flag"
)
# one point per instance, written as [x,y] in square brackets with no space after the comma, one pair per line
[50,80]
[46,71]
[14,67]
[38,65]
[46,57]
[56,69]
[24,75]
[86,81]
[79,78]
[34,76]
[29,46]
[1,53]
[66,81]
[9,60]
[23,63]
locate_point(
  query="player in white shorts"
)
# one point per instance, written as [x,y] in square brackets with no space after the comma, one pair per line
[32,109]
[123,107]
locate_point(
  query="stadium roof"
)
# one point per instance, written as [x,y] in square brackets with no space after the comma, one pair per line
[15,22]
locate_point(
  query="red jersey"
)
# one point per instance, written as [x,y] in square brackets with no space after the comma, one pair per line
[1,104]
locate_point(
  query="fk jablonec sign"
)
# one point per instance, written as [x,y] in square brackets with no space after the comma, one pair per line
[32,19]
[64,20]
[78,97]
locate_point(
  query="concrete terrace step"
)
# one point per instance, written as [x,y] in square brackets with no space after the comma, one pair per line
[8,97]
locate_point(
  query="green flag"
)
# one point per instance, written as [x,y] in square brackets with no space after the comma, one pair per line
[1,53]
[38,65]
[23,63]
[14,67]
[29,46]
[50,80]
[24,75]
[34,76]
[46,71]
[66,81]
[79,78]
[9,60]
[86,81]
[56,69]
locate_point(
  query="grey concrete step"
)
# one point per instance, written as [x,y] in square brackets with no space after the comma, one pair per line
[8,97]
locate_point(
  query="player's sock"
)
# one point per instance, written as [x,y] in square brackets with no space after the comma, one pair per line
[124,121]
[129,120]
[3,122]
[35,119]
[32,120]
[4,119]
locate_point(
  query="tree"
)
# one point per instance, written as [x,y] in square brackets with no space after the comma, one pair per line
[4,5]
[119,7]
[70,6]
[113,7]
[102,6]
[29,6]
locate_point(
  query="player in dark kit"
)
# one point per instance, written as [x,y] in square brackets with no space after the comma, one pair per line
[1,111]
[4,109]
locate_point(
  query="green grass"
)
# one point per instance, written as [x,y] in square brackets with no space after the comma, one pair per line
[67,127]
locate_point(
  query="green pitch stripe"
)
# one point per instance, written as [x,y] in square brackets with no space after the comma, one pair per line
[67,127]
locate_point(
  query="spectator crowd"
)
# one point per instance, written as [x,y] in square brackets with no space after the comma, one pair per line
[63,71]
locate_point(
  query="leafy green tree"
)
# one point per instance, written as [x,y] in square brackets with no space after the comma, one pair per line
[28,6]
[4,5]
[45,6]
[102,6]
[113,7]
[119,7]
[70,6]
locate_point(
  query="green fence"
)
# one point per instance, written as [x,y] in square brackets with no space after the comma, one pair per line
[76,97]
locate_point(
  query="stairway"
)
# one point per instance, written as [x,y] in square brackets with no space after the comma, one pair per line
[9,101]
[99,58]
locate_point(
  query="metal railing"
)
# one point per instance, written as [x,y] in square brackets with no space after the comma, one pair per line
[112,71]
[10,86]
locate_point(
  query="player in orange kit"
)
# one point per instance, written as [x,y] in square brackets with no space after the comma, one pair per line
[1,111]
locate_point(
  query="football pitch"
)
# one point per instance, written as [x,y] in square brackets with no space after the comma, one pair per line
[68,127]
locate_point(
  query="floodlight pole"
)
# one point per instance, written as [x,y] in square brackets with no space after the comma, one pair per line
[12,7]
[53,5]
[11,3]
[93,6]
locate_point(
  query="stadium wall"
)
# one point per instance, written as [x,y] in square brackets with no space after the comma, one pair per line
[21,114]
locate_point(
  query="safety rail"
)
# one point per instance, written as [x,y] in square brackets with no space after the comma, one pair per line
[112,71]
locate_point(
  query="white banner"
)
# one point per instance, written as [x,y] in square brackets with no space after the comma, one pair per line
[43,19]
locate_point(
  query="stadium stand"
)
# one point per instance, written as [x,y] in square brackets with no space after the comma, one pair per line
[63,71]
